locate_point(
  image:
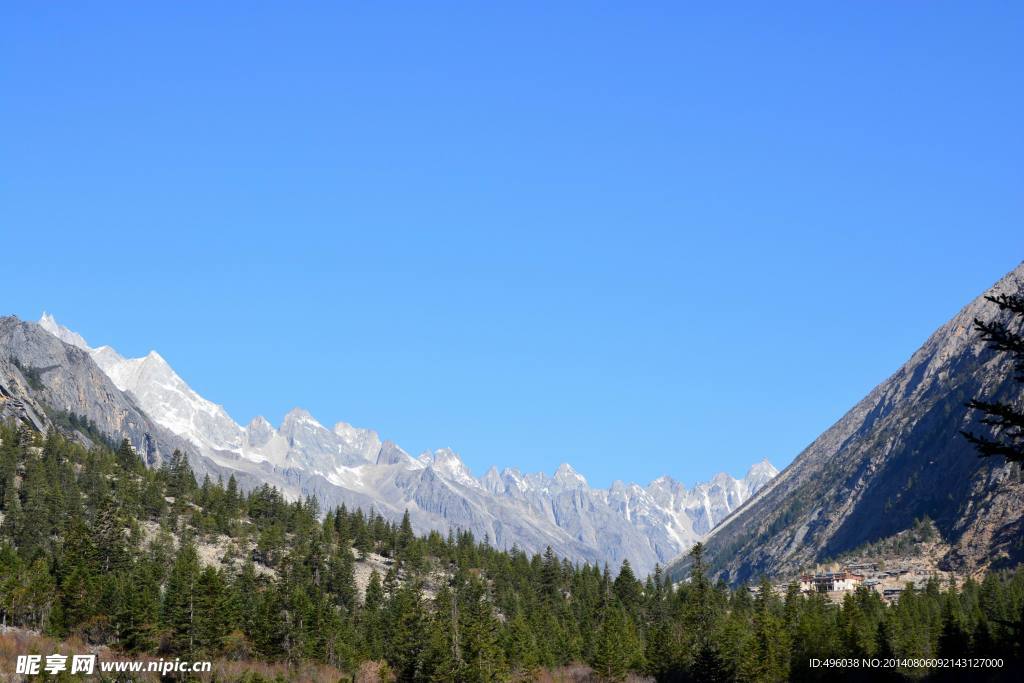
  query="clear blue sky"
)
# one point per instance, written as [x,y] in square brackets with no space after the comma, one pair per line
[638,237]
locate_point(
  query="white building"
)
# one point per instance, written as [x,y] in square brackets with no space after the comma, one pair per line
[830,582]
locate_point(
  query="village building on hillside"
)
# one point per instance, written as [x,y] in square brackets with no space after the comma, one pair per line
[830,582]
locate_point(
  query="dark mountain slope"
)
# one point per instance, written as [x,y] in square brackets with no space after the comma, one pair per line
[896,456]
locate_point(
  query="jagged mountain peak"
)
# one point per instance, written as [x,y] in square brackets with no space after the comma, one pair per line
[154,357]
[492,480]
[259,432]
[450,466]
[260,422]
[391,454]
[299,415]
[106,355]
[760,472]
[50,324]
[566,476]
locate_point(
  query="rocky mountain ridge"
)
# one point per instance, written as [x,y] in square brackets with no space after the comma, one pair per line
[895,457]
[346,464]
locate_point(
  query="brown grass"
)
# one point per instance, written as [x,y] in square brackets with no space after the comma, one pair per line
[16,642]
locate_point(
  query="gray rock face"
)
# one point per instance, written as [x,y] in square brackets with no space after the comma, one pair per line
[646,525]
[40,370]
[896,456]
[63,377]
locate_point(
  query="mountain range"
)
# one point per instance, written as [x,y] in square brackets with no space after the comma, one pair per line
[48,371]
[895,457]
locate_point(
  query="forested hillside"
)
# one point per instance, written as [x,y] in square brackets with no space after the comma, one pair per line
[79,558]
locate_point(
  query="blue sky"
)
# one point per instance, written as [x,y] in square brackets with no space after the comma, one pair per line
[638,237]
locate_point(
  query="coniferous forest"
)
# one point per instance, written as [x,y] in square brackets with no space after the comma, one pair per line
[75,561]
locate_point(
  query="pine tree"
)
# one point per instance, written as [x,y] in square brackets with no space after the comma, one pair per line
[406,641]
[211,618]
[479,629]
[699,617]
[8,471]
[1003,416]
[954,641]
[551,577]
[441,659]
[128,458]
[521,643]
[39,593]
[32,534]
[405,533]
[341,582]
[617,648]
[770,637]
[139,608]
[627,588]
[179,606]
[372,618]
[108,532]
[181,481]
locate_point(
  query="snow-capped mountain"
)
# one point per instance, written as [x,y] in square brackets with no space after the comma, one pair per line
[646,525]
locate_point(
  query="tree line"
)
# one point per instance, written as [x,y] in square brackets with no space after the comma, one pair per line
[94,544]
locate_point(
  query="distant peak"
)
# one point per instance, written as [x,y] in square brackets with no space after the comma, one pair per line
[50,324]
[259,431]
[155,357]
[512,472]
[297,416]
[763,467]
[448,463]
[106,357]
[445,455]
[567,476]
[665,482]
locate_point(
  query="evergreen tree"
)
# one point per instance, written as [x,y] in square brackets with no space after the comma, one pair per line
[617,648]
[479,629]
[770,637]
[521,643]
[372,618]
[1003,416]
[211,617]
[179,611]
[139,608]
[127,457]
[627,588]
[406,641]
[181,481]
[441,660]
